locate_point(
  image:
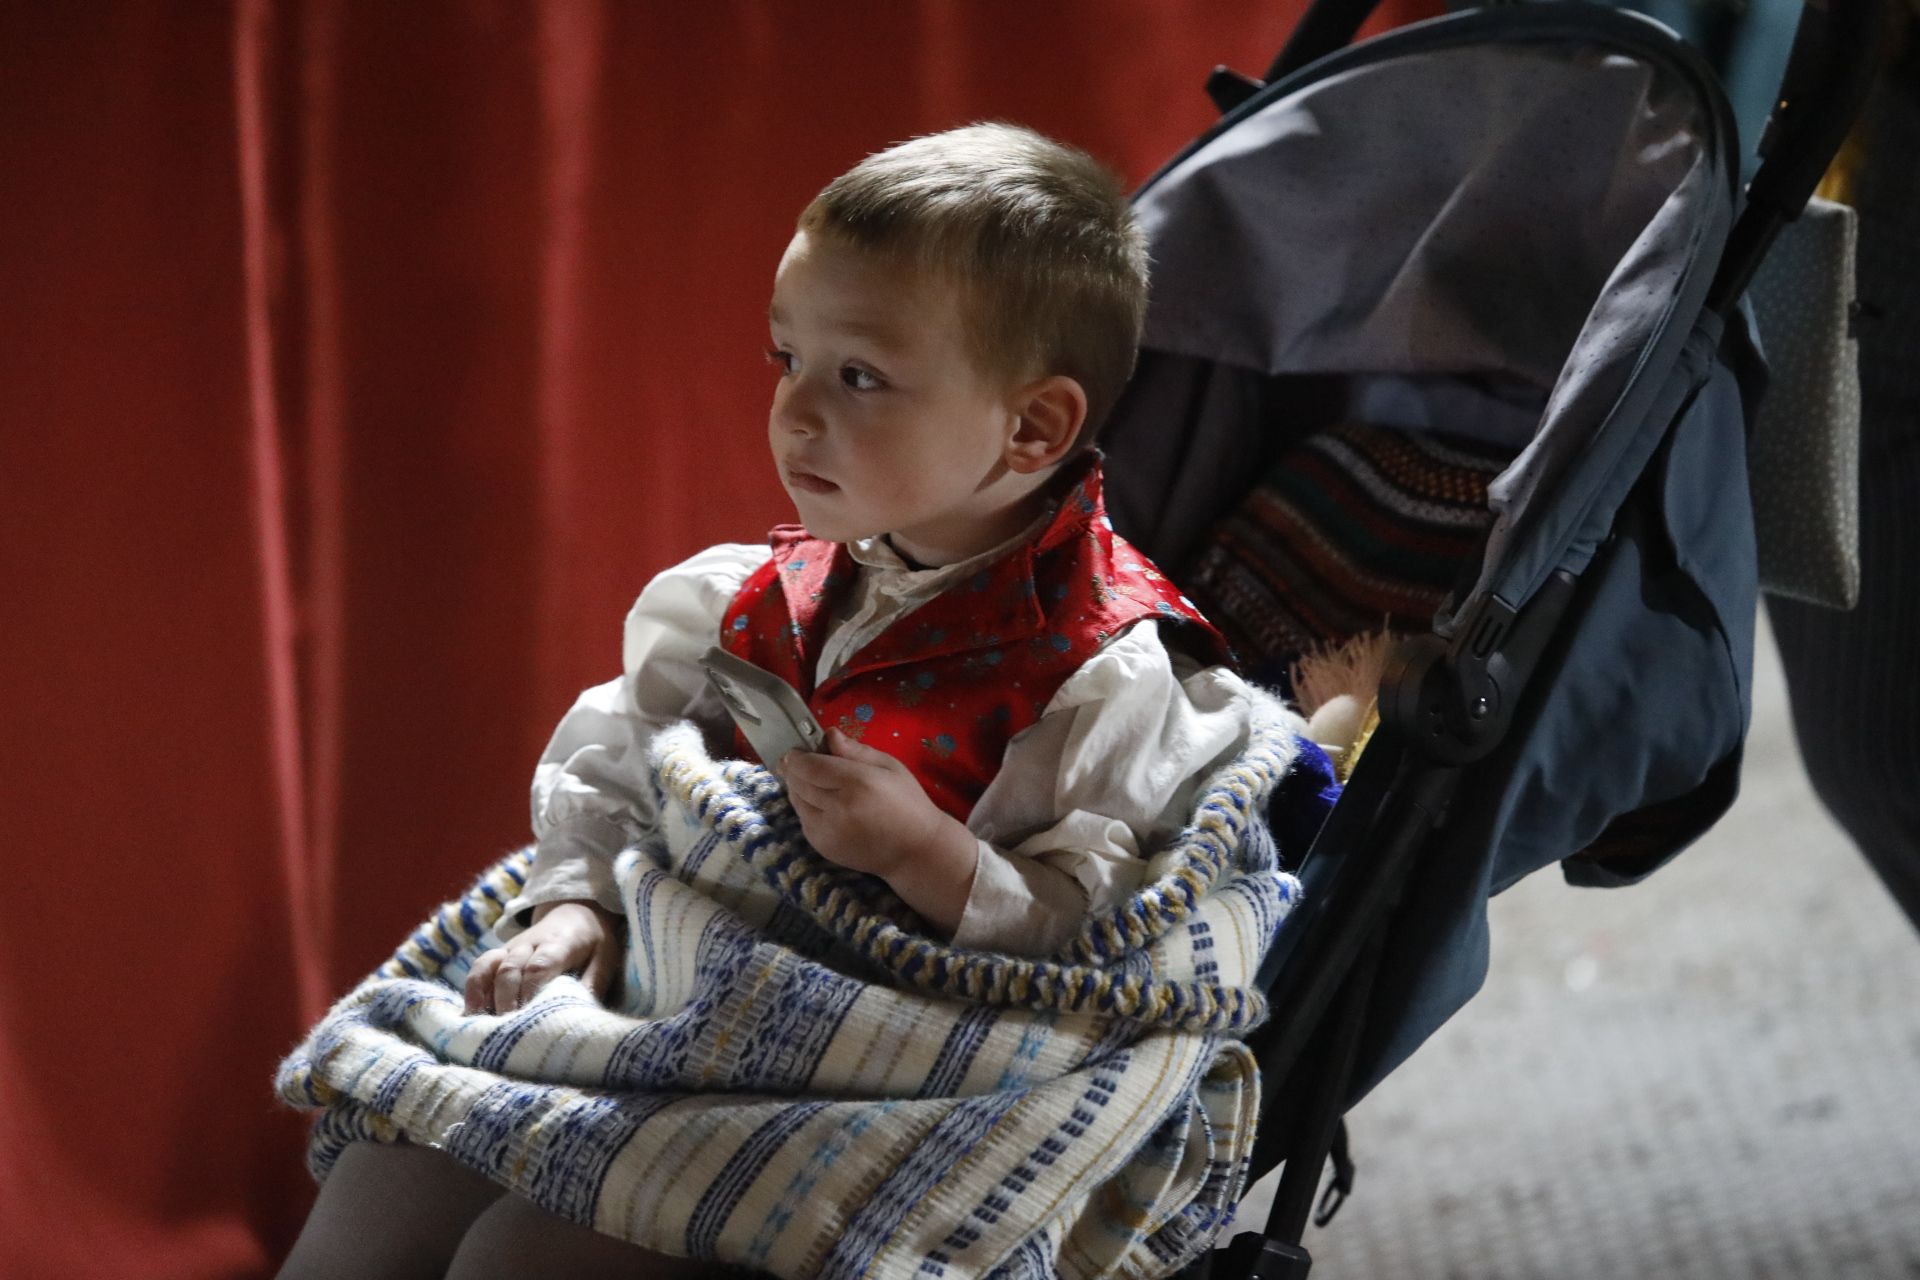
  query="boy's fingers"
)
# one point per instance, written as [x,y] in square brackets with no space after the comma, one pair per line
[813,771]
[601,966]
[847,747]
[548,959]
[798,764]
[551,959]
[506,986]
[480,982]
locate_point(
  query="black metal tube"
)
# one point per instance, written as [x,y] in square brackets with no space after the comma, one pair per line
[1325,1098]
[1327,25]
[1366,887]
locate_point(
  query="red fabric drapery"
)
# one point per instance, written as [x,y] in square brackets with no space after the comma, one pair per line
[361,361]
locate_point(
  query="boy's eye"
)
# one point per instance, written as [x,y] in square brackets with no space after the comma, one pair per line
[781,360]
[855,378]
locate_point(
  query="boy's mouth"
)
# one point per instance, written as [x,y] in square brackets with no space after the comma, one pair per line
[808,482]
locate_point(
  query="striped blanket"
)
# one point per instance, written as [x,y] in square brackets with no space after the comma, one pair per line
[792,1077]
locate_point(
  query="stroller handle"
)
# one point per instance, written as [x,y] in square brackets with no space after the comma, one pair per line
[1837,50]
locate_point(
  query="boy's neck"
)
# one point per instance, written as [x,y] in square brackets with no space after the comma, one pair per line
[1010,524]
[905,559]
[1041,496]
[983,534]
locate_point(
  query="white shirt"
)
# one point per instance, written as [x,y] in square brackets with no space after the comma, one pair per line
[1083,797]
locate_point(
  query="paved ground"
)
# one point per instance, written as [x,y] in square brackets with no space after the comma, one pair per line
[1713,1074]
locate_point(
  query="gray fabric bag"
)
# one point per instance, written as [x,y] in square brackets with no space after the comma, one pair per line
[1804,456]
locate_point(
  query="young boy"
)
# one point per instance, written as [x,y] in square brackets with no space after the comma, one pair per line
[1019,707]
[951,322]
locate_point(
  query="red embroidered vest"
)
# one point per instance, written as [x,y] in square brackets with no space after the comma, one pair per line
[948,684]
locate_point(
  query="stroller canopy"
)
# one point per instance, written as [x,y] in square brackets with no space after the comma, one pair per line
[1481,235]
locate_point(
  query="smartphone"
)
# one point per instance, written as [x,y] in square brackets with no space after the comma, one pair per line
[771,715]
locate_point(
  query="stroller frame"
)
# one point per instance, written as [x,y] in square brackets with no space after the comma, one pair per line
[1448,698]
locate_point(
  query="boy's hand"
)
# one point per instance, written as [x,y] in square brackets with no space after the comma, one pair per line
[863,809]
[859,807]
[565,937]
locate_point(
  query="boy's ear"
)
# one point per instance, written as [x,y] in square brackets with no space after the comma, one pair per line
[1051,413]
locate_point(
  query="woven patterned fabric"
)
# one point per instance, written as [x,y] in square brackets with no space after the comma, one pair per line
[1356,527]
[790,1079]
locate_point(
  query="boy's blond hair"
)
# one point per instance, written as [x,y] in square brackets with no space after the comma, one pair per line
[1038,235]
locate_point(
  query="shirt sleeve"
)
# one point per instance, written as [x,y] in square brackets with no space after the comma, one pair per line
[1087,795]
[591,794]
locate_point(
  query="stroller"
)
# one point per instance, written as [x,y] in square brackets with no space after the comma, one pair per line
[1520,228]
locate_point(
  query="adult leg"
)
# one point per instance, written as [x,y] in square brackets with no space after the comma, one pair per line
[389,1213]
[1851,681]
[1854,678]
[516,1239]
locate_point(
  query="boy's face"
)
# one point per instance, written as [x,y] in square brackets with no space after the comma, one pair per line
[881,420]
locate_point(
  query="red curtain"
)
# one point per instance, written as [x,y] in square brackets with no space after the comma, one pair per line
[358,364]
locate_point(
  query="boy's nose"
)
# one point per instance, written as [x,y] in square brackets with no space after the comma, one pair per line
[794,410]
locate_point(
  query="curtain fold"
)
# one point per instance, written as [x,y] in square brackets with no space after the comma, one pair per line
[292,697]
[362,361]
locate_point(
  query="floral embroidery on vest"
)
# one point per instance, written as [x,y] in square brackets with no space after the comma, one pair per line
[948,685]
